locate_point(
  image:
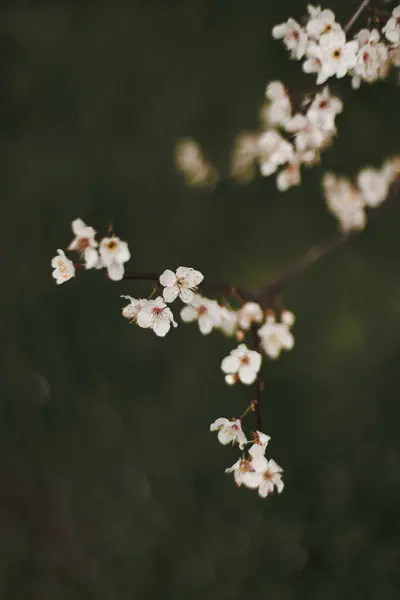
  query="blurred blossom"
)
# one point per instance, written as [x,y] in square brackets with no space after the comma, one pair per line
[191,163]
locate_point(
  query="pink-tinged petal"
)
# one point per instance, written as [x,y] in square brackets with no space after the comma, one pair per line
[188,314]
[123,253]
[186,295]
[145,319]
[91,257]
[115,271]
[247,375]
[230,364]
[205,324]
[218,423]
[266,487]
[161,326]
[170,293]
[168,278]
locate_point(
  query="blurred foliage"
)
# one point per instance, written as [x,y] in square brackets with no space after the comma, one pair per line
[112,486]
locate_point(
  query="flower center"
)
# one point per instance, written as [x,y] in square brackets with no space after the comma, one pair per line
[245,467]
[268,475]
[201,310]
[328,27]
[83,243]
[323,104]
[244,360]
[112,245]
[337,53]
[295,35]
[156,310]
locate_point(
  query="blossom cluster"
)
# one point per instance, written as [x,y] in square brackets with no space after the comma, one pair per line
[348,201]
[290,138]
[327,52]
[254,471]
[110,253]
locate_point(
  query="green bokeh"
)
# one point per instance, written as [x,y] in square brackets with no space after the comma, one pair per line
[112,486]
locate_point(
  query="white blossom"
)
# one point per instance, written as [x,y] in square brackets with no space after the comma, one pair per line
[250,313]
[207,312]
[274,151]
[373,185]
[229,432]
[84,242]
[274,337]
[271,478]
[182,284]
[63,267]
[335,55]
[279,107]
[113,254]
[294,37]
[392,27]
[229,321]
[308,135]
[345,202]
[313,62]
[289,176]
[131,310]
[320,22]
[260,443]
[372,58]
[156,315]
[324,109]
[243,362]
[191,163]
[247,471]
[244,156]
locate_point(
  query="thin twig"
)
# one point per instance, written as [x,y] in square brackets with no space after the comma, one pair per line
[358,12]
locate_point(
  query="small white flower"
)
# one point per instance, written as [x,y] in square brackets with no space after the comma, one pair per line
[113,254]
[207,312]
[313,62]
[345,202]
[131,310]
[63,267]
[180,284]
[324,109]
[294,37]
[308,135]
[287,318]
[374,186]
[84,242]
[274,151]
[260,443]
[372,58]
[279,107]
[250,313]
[392,27]
[321,22]
[229,321]
[271,478]
[243,362]
[274,337]
[290,175]
[335,54]
[156,315]
[248,471]
[229,432]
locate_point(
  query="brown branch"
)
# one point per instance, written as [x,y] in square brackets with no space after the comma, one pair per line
[358,12]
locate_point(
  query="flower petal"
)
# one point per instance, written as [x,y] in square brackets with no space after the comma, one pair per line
[168,278]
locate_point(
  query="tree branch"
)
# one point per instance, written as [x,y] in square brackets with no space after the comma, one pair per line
[358,12]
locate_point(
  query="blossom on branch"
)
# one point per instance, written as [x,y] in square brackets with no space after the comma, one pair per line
[294,37]
[84,242]
[113,254]
[250,312]
[243,363]
[156,315]
[276,336]
[183,283]
[63,267]
[229,432]
[392,27]
[207,312]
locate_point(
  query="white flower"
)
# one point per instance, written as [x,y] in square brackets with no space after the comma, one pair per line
[374,186]
[336,56]
[392,27]
[248,471]
[279,107]
[229,431]
[206,312]
[156,315]
[313,62]
[250,313]
[243,362]
[308,135]
[274,337]
[270,479]
[287,318]
[191,163]
[289,176]
[113,254]
[229,321]
[260,443]
[180,284]
[321,22]
[372,58]
[274,151]
[294,37]
[63,267]
[345,202]
[244,156]
[324,109]
[131,310]
[84,242]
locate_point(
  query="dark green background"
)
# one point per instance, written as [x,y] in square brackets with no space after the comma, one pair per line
[112,486]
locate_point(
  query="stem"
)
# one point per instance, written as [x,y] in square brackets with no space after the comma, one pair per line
[257,391]
[358,12]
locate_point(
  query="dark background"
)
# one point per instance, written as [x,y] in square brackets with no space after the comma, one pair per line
[112,486]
